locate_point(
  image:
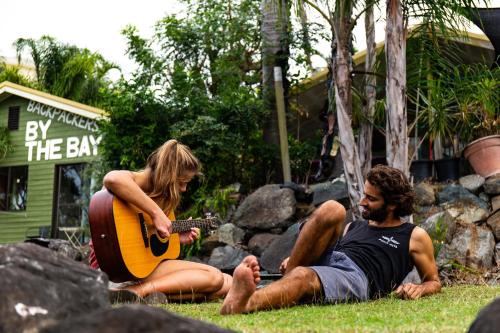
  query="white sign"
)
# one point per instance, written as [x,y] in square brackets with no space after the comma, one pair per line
[39,147]
[62,116]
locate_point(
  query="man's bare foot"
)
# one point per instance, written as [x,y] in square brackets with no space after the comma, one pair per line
[245,279]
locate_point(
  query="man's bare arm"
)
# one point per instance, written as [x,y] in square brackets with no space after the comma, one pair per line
[422,253]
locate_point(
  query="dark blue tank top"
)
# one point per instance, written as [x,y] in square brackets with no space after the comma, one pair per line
[382,253]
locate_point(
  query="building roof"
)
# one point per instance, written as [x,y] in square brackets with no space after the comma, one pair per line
[8,89]
[470,39]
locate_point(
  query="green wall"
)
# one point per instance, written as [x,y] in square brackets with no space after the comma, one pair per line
[41,173]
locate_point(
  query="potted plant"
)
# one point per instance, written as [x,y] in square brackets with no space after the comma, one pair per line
[477,95]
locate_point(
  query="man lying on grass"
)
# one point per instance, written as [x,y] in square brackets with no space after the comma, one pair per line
[370,260]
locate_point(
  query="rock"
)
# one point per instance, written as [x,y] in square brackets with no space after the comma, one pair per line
[472,182]
[336,190]
[300,192]
[425,195]
[471,246]
[131,319]
[279,249]
[497,254]
[494,223]
[260,242]
[412,277]
[268,207]
[65,248]
[39,286]
[440,227]
[485,197]
[230,234]
[495,203]
[466,211]
[227,258]
[488,319]
[456,193]
[208,244]
[492,184]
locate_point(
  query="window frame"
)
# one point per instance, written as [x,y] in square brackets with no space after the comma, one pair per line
[8,189]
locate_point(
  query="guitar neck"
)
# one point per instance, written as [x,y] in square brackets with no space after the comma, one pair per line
[186,225]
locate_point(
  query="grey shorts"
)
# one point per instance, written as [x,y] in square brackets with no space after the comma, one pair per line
[341,278]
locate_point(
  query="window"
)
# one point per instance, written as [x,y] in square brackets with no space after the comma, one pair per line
[13,188]
[72,195]
[13,122]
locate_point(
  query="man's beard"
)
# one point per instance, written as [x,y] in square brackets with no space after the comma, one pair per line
[376,215]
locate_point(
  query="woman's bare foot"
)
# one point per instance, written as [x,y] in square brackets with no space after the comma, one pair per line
[245,279]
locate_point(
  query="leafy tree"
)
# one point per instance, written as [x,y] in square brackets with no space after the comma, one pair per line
[197,80]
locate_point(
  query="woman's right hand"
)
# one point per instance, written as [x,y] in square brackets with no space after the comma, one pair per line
[162,224]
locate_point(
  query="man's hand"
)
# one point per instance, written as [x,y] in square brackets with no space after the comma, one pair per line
[162,224]
[189,237]
[410,291]
[283,265]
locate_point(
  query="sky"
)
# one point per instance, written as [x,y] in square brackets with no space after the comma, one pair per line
[92,24]
[96,24]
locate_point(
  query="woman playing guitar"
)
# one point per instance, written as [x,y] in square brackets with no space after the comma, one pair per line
[155,190]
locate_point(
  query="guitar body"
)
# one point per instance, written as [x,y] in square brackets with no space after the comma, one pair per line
[124,238]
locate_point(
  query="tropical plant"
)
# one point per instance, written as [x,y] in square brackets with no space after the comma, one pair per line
[476,92]
[66,70]
[5,144]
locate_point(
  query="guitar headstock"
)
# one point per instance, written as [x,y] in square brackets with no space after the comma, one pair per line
[213,222]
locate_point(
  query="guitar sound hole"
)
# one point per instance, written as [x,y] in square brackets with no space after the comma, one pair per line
[158,248]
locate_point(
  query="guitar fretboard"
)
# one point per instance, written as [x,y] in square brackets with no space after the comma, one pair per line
[186,225]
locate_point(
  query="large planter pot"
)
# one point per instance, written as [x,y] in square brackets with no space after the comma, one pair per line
[421,170]
[447,169]
[484,155]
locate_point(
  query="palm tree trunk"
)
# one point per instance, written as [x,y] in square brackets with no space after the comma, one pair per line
[275,51]
[366,131]
[343,98]
[396,125]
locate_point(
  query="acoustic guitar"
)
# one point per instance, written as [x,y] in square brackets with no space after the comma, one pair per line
[126,244]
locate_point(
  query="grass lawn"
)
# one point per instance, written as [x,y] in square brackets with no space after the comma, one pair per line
[453,310]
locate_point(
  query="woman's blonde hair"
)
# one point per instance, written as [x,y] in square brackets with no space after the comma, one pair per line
[166,164]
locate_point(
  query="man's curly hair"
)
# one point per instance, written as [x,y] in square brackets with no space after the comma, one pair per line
[394,187]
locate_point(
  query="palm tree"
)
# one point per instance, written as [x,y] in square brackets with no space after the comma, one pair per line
[366,130]
[66,70]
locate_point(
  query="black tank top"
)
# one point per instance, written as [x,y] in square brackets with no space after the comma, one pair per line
[382,253]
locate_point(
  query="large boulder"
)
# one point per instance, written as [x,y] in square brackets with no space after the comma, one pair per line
[226,258]
[494,223]
[466,211]
[472,182]
[131,319]
[453,193]
[230,234]
[279,249]
[39,286]
[260,242]
[488,319]
[425,194]
[335,190]
[471,246]
[269,207]
[495,203]
[440,227]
